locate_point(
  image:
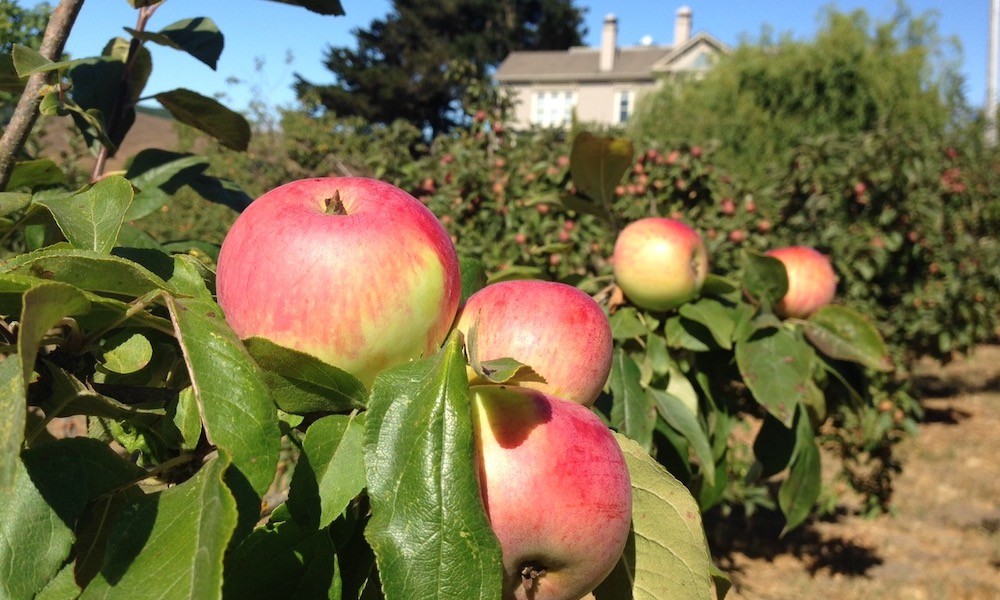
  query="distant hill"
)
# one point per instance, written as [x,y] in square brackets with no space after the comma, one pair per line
[154,128]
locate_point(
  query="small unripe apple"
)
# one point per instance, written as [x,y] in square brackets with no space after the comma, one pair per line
[554,328]
[556,488]
[660,263]
[811,281]
[353,271]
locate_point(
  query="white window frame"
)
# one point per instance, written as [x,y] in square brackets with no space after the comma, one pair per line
[552,107]
[628,97]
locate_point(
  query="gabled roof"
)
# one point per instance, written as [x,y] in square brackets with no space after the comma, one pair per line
[582,64]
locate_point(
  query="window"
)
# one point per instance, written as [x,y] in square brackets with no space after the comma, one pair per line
[624,105]
[552,108]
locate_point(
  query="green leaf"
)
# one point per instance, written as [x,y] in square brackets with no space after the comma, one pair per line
[302,384]
[283,561]
[44,307]
[62,586]
[764,277]
[233,401]
[844,334]
[323,7]
[11,202]
[633,411]
[428,527]
[777,367]
[687,334]
[174,541]
[10,82]
[125,351]
[95,102]
[91,218]
[13,395]
[28,61]
[506,370]
[199,37]
[70,396]
[31,174]
[473,276]
[515,272]
[220,191]
[207,115]
[679,417]
[330,471]
[718,318]
[597,165]
[774,446]
[88,270]
[667,553]
[627,324]
[799,492]
[158,174]
[34,541]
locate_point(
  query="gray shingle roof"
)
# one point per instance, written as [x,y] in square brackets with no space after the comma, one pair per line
[580,64]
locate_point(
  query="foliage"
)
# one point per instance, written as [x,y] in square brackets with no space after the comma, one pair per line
[409,55]
[769,96]
[24,27]
[190,431]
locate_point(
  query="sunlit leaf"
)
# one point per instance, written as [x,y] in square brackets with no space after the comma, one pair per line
[842,333]
[91,218]
[633,411]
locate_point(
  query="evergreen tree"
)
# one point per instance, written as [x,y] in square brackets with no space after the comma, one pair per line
[401,66]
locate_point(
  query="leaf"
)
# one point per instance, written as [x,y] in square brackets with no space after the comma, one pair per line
[633,411]
[799,492]
[687,334]
[777,367]
[667,554]
[774,446]
[207,115]
[715,316]
[679,417]
[95,104]
[70,396]
[330,471]
[221,191]
[597,165]
[13,395]
[283,561]
[91,218]
[627,324]
[31,174]
[844,334]
[62,586]
[200,37]
[10,82]
[473,276]
[28,61]
[174,540]
[302,384]
[764,277]
[125,351]
[34,541]
[158,174]
[233,401]
[323,7]
[11,202]
[44,307]
[88,270]
[428,528]
[515,272]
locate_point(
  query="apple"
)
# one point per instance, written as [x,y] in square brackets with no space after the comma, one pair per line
[556,488]
[660,263]
[811,281]
[554,328]
[353,271]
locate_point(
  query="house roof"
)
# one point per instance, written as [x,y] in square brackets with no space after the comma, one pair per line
[582,64]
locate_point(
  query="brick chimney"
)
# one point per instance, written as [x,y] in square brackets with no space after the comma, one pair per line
[682,26]
[609,42]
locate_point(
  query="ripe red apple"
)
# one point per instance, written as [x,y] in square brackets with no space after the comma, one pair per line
[556,488]
[554,328]
[353,271]
[660,263]
[811,281]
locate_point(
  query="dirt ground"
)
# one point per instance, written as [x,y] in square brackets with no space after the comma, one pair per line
[942,538]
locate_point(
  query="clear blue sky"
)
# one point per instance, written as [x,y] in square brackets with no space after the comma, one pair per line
[289,39]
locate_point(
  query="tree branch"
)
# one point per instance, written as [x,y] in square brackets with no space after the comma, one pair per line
[17,131]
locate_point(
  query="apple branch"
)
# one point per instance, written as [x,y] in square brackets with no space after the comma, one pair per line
[23,120]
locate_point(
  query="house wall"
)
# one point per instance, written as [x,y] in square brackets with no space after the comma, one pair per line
[596,102]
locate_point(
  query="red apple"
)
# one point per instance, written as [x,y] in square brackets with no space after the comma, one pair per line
[556,488]
[554,328]
[353,271]
[811,281]
[660,263]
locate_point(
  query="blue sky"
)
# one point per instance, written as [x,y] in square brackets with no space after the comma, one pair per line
[288,39]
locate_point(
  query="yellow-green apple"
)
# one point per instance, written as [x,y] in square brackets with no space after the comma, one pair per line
[554,328]
[659,263]
[353,271]
[556,488]
[811,281]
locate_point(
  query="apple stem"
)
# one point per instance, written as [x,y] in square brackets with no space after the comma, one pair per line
[531,574]
[334,205]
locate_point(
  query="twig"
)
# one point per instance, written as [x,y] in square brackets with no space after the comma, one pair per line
[17,131]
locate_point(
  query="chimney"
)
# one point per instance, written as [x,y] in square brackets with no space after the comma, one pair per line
[609,42]
[682,26]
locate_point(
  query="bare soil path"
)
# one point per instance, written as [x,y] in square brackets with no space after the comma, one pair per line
[942,539]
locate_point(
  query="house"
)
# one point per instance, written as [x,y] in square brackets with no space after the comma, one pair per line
[601,85]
